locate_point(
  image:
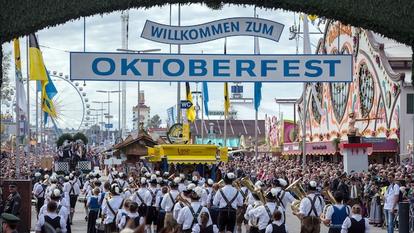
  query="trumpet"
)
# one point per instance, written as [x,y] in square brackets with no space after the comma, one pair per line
[298,190]
[183,200]
[221,183]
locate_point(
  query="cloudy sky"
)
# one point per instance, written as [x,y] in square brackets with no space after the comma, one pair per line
[103,34]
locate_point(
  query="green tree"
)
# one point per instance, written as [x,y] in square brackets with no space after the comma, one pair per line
[80,136]
[62,138]
[155,122]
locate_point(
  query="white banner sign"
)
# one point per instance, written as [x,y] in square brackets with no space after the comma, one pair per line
[210,67]
[243,26]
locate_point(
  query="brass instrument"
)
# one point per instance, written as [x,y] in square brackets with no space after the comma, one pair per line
[221,183]
[237,184]
[183,200]
[298,190]
[327,194]
[246,182]
[171,177]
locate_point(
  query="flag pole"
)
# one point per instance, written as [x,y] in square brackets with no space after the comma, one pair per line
[256,152]
[306,50]
[225,101]
[28,92]
[178,83]
[17,109]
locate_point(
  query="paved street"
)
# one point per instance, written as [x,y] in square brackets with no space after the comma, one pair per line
[79,223]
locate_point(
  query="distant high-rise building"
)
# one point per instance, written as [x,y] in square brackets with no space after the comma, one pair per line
[144,112]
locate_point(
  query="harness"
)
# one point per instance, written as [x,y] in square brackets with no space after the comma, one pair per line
[72,190]
[313,201]
[121,186]
[112,210]
[271,214]
[279,199]
[228,203]
[140,198]
[153,195]
[244,194]
[42,192]
[195,214]
[172,199]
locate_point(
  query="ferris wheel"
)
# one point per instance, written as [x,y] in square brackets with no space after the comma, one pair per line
[70,103]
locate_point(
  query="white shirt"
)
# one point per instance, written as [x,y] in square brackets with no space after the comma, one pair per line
[67,188]
[181,187]
[230,192]
[286,197]
[391,194]
[177,208]
[252,220]
[145,196]
[155,196]
[115,202]
[305,205]
[38,191]
[185,217]
[123,221]
[210,198]
[269,228]
[41,221]
[261,213]
[123,184]
[167,203]
[63,212]
[196,229]
[347,223]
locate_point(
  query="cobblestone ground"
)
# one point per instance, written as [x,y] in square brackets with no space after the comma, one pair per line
[79,223]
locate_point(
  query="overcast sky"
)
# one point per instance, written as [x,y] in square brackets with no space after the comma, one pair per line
[103,34]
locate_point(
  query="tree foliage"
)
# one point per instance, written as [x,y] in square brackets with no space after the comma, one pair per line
[62,138]
[155,122]
[80,136]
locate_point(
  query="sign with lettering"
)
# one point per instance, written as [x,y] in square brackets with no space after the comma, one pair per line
[238,26]
[210,67]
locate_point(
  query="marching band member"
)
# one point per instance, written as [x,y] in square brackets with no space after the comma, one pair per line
[183,200]
[336,214]
[152,212]
[123,212]
[94,206]
[252,220]
[62,207]
[310,209]
[143,197]
[227,199]
[111,207]
[169,200]
[242,210]
[181,185]
[39,191]
[161,211]
[131,214]
[203,226]
[214,210]
[277,226]
[356,223]
[71,189]
[207,190]
[265,212]
[283,198]
[190,214]
[51,217]
[122,182]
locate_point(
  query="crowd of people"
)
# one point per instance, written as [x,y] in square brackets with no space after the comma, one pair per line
[251,194]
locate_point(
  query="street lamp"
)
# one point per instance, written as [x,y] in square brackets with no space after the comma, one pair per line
[102,113]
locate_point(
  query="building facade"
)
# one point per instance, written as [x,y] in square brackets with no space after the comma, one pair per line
[377,94]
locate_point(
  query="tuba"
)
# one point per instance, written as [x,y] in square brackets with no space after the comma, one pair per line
[298,190]
[327,194]
[246,182]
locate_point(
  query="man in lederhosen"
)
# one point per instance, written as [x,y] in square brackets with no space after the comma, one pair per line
[143,197]
[242,210]
[39,192]
[152,212]
[310,210]
[169,201]
[228,199]
[72,189]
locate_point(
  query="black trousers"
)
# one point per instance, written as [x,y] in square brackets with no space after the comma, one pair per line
[160,220]
[39,204]
[92,216]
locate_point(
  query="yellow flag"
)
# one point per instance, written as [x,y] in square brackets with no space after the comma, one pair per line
[17,58]
[191,113]
[37,70]
[226,99]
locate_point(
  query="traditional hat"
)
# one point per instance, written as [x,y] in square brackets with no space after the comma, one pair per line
[282,182]
[229,177]
[10,218]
